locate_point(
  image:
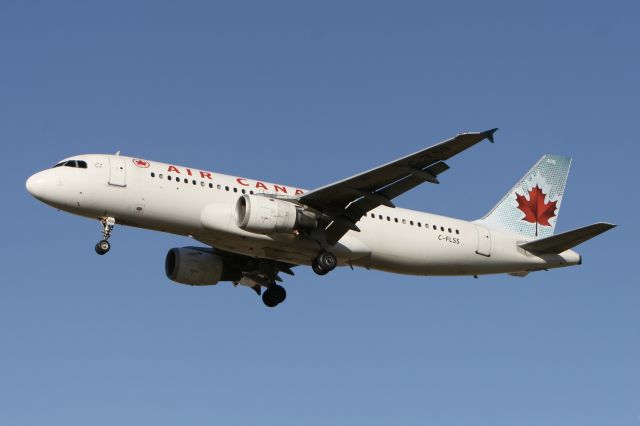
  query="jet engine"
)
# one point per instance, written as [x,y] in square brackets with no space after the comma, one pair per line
[266,215]
[193,266]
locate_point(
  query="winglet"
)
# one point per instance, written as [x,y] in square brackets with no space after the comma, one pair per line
[489,134]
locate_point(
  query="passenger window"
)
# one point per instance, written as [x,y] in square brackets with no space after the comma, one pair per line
[435,228]
[457,231]
[219,186]
[250,192]
[235,189]
[153,174]
[177,179]
[419,225]
[243,191]
[185,180]
[168,177]
[202,184]
[388,219]
[160,175]
[210,185]
[396,219]
[193,181]
[404,221]
[82,164]
[449,230]
[226,188]
[380,216]
[442,228]
[411,222]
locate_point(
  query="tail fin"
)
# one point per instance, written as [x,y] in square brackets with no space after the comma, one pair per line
[532,206]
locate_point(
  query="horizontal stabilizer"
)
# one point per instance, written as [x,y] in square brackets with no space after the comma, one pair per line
[562,242]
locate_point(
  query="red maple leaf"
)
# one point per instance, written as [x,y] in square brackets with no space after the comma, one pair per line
[535,209]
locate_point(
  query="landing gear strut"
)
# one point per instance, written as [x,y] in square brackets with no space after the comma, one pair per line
[324,263]
[107,226]
[274,295]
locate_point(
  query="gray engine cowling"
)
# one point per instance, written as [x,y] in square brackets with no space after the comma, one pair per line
[192,266]
[267,215]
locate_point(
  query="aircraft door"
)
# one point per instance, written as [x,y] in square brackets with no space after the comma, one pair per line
[484,241]
[117,171]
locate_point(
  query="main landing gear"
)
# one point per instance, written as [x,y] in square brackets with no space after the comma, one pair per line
[274,295]
[324,263]
[107,226]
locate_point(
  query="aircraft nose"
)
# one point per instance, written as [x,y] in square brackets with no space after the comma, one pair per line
[36,185]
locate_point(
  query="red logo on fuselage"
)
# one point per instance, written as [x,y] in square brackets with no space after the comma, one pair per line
[141,163]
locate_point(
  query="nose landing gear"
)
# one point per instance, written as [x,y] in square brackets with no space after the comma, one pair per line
[324,263]
[107,226]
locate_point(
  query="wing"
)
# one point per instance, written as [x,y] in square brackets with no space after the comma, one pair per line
[346,201]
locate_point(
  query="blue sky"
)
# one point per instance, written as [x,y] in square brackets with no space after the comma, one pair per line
[307,93]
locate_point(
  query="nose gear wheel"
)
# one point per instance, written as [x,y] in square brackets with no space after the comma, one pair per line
[107,227]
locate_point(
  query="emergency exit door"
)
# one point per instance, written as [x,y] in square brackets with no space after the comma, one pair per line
[117,171]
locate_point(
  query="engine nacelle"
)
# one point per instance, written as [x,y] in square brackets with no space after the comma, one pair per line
[266,215]
[191,266]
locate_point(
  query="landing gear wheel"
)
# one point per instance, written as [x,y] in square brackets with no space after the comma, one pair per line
[268,299]
[280,293]
[274,295]
[324,263]
[107,226]
[317,269]
[103,247]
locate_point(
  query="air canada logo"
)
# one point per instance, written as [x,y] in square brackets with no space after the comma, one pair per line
[141,163]
[535,209]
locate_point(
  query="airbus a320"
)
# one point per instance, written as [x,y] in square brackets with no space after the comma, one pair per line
[254,231]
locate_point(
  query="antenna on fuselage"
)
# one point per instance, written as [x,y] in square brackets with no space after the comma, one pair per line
[118,153]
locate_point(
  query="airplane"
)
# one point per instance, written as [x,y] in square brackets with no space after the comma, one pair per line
[254,230]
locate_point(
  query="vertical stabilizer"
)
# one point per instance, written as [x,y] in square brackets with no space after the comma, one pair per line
[532,206]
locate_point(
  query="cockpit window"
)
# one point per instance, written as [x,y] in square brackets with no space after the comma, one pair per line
[72,163]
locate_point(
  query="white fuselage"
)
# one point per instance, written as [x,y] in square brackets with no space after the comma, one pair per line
[201,204]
